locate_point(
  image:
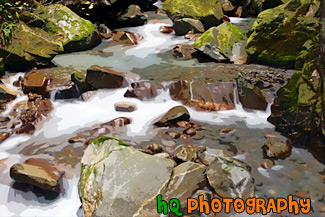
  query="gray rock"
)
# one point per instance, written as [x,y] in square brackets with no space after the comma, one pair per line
[187,178]
[228,177]
[186,153]
[118,180]
[185,25]
[132,16]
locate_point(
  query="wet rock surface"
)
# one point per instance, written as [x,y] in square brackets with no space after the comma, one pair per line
[174,115]
[142,90]
[126,37]
[277,149]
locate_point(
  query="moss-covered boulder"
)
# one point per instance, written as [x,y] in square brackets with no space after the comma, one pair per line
[224,42]
[29,48]
[297,111]
[2,67]
[209,12]
[45,33]
[278,34]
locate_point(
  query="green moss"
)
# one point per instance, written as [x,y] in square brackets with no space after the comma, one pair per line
[306,96]
[192,8]
[103,139]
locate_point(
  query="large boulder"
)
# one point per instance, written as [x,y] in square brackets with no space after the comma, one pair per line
[228,177]
[132,16]
[118,180]
[278,34]
[224,42]
[298,109]
[209,12]
[45,33]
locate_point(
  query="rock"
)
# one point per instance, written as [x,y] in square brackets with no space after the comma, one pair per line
[35,113]
[257,6]
[226,130]
[224,42]
[198,136]
[42,177]
[166,29]
[227,176]
[78,139]
[142,90]
[186,153]
[117,122]
[103,77]
[184,124]
[201,148]
[162,155]
[173,134]
[204,96]
[227,5]
[58,30]
[267,163]
[75,33]
[209,12]
[104,31]
[183,52]
[55,83]
[190,131]
[4,136]
[270,42]
[185,138]
[108,188]
[132,16]
[185,25]
[187,178]
[124,107]
[6,94]
[126,37]
[277,149]
[155,148]
[2,67]
[174,115]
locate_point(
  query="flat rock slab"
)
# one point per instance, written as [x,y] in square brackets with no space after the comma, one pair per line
[46,178]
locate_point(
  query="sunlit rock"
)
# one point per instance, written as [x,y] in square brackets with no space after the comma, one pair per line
[225,42]
[209,12]
[117,180]
[124,107]
[126,37]
[229,177]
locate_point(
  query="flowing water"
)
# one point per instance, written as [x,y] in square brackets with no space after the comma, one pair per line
[152,60]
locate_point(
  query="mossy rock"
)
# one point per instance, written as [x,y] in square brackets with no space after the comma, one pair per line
[29,48]
[209,12]
[278,34]
[2,67]
[218,42]
[63,25]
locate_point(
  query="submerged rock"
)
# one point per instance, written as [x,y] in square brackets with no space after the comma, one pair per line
[277,149]
[175,114]
[186,153]
[46,178]
[224,42]
[104,77]
[142,90]
[185,25]
[278,34]
[126,37]
[114,179]
[228,177]
[209,12]
[132,16]
[184,52]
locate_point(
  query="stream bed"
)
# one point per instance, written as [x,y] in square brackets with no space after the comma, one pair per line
[152,60]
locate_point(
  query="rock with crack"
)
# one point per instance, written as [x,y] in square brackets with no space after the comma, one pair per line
[114,179]
[228,177]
